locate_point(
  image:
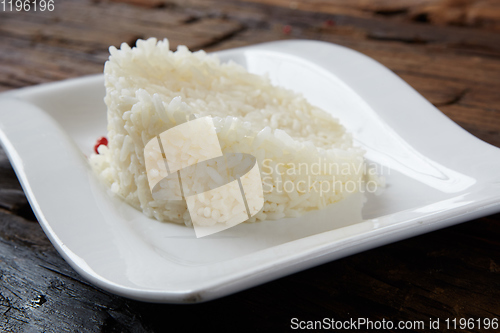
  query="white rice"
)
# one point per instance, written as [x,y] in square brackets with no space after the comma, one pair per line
[150,89]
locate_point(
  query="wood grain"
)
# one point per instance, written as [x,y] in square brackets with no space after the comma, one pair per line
[449,51]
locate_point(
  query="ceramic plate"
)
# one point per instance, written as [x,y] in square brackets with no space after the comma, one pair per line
[437,175]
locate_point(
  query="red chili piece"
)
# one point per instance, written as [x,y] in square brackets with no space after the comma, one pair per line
[329,23]
[101,141]
[287,29]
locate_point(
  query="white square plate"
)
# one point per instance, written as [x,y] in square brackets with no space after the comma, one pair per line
[437,175]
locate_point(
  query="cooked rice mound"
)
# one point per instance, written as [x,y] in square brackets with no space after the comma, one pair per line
[150,89]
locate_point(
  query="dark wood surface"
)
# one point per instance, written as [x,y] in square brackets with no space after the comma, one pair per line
[448,50]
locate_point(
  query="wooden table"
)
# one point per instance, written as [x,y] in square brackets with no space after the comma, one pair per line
[448,50]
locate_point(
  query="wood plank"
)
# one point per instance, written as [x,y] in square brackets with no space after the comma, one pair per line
[484,123]
[96,32]
[34,64]
[483,13]
[437,91]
